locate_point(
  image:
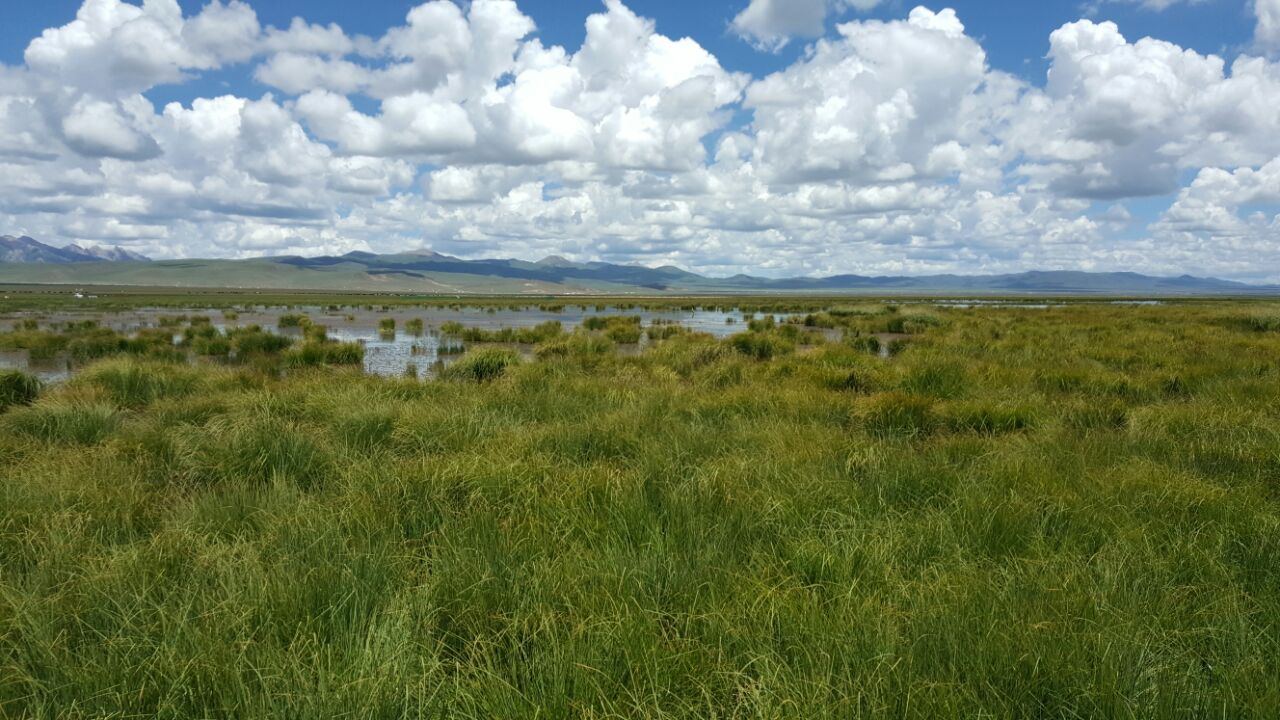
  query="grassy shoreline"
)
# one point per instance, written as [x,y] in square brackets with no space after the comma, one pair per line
[1071,512]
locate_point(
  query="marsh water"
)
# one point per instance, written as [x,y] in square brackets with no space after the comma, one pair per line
[385,354]
[394,354]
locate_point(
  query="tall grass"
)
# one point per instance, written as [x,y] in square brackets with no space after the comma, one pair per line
[1020,515]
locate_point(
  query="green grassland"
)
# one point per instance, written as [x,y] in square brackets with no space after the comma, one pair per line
[250,274]
[28,297]
[1061,513]
[109,298]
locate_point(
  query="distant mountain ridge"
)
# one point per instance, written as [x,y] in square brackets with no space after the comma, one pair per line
[668,278]
[23,260]
[25,249]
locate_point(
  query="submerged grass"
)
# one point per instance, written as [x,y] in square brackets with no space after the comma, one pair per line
[541,332]
[327,352]
[1023,514]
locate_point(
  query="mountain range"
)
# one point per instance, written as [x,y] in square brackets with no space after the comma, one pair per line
[24,260]
[24,249]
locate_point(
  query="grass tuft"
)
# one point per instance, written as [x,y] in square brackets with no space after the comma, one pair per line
[64,423]
[17,388]
[312,353]
[133,384]
[988,418]
[896,413]
[482,365]
[761,345]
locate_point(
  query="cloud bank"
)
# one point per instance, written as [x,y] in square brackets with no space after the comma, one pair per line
[887,147]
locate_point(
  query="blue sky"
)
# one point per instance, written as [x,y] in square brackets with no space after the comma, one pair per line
[913,140]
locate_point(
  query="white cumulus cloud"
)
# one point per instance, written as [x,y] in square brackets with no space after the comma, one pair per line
[886,146]
[1267,34]
[771,24]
